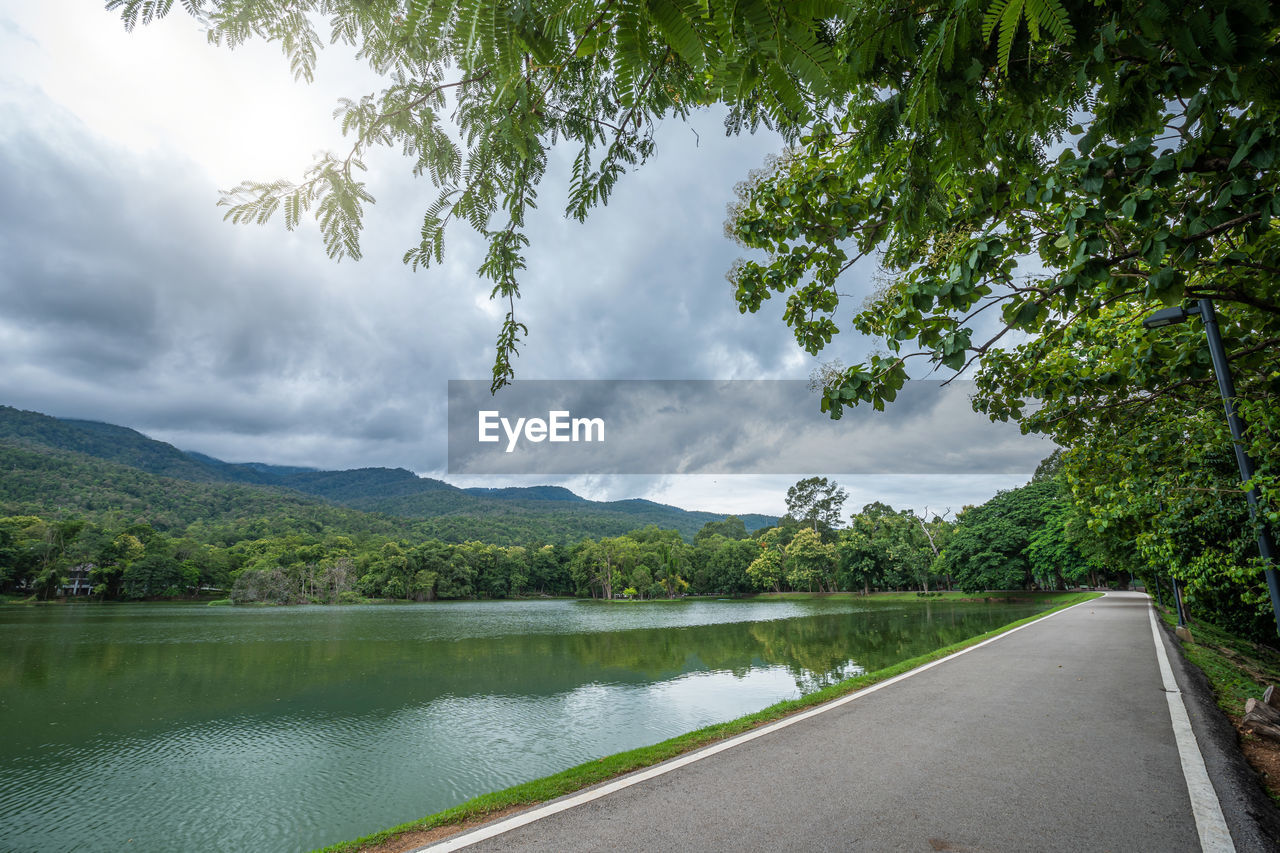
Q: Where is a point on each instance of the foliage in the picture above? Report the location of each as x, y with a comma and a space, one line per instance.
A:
135, 535
817, 502
766, 570
1026, 215
731, 527
1188, 521
810, 562
883, 548
977, 189
1025, 537
1004, 16
719, 565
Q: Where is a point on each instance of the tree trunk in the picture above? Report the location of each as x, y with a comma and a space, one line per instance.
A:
1262, 719
1260, 713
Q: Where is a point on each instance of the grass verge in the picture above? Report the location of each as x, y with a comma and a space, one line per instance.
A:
601, 770
1238, 670
1014, 595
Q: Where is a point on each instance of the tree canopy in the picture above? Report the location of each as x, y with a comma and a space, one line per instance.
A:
816, 501
1025, 217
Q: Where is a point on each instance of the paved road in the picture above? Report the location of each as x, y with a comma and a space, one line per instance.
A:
1055, 737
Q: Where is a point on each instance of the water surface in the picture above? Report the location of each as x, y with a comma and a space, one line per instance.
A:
185, 727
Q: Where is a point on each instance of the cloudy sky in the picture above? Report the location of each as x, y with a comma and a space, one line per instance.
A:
126, 298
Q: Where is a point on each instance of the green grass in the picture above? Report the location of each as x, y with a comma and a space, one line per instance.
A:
985, 595
952, 595
625, 601
1237, 669
609, 767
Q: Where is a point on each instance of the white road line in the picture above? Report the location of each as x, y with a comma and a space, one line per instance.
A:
1210, 824
483, 833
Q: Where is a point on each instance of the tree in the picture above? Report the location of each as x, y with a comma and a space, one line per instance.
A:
596, 566
979, 190
816, 502
392, 569
458, 577
989, 549
1054, 550
859, 559
515, 566
987, 553
673, 561
642, 581
112, 563
810, 562
547, 571
48, 581
339, 573
885, 548
1187, 520
910, 553
731, 527
154, 573
766, 571
728, 566
1129, 165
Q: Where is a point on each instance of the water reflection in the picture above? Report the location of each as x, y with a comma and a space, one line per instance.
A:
177, 727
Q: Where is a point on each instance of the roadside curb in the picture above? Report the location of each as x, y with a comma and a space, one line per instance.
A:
1254, 820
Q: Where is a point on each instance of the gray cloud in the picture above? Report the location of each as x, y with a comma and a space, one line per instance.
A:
128, 300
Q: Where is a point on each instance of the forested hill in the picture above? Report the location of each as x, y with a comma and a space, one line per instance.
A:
53, 466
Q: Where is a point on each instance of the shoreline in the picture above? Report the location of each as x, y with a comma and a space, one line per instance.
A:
1013, 596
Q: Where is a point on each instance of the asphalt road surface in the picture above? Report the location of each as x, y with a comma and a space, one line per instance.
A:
1058, 736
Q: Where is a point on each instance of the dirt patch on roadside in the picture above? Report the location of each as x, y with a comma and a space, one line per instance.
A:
1263, 756
414, 839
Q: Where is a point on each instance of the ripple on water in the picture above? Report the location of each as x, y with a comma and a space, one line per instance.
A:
257, 780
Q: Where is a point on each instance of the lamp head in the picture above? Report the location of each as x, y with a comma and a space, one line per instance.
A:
1165, 317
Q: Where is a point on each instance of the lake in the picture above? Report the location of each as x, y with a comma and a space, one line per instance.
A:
155, 727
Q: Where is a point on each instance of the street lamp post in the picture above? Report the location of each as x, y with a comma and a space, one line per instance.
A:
1177, 602
1226, 387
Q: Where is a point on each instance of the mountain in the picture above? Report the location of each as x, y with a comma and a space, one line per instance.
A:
103, 441
530, 493
249, 472
54, 483
95, 469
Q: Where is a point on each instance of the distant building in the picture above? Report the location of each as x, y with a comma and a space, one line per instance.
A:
78, 582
